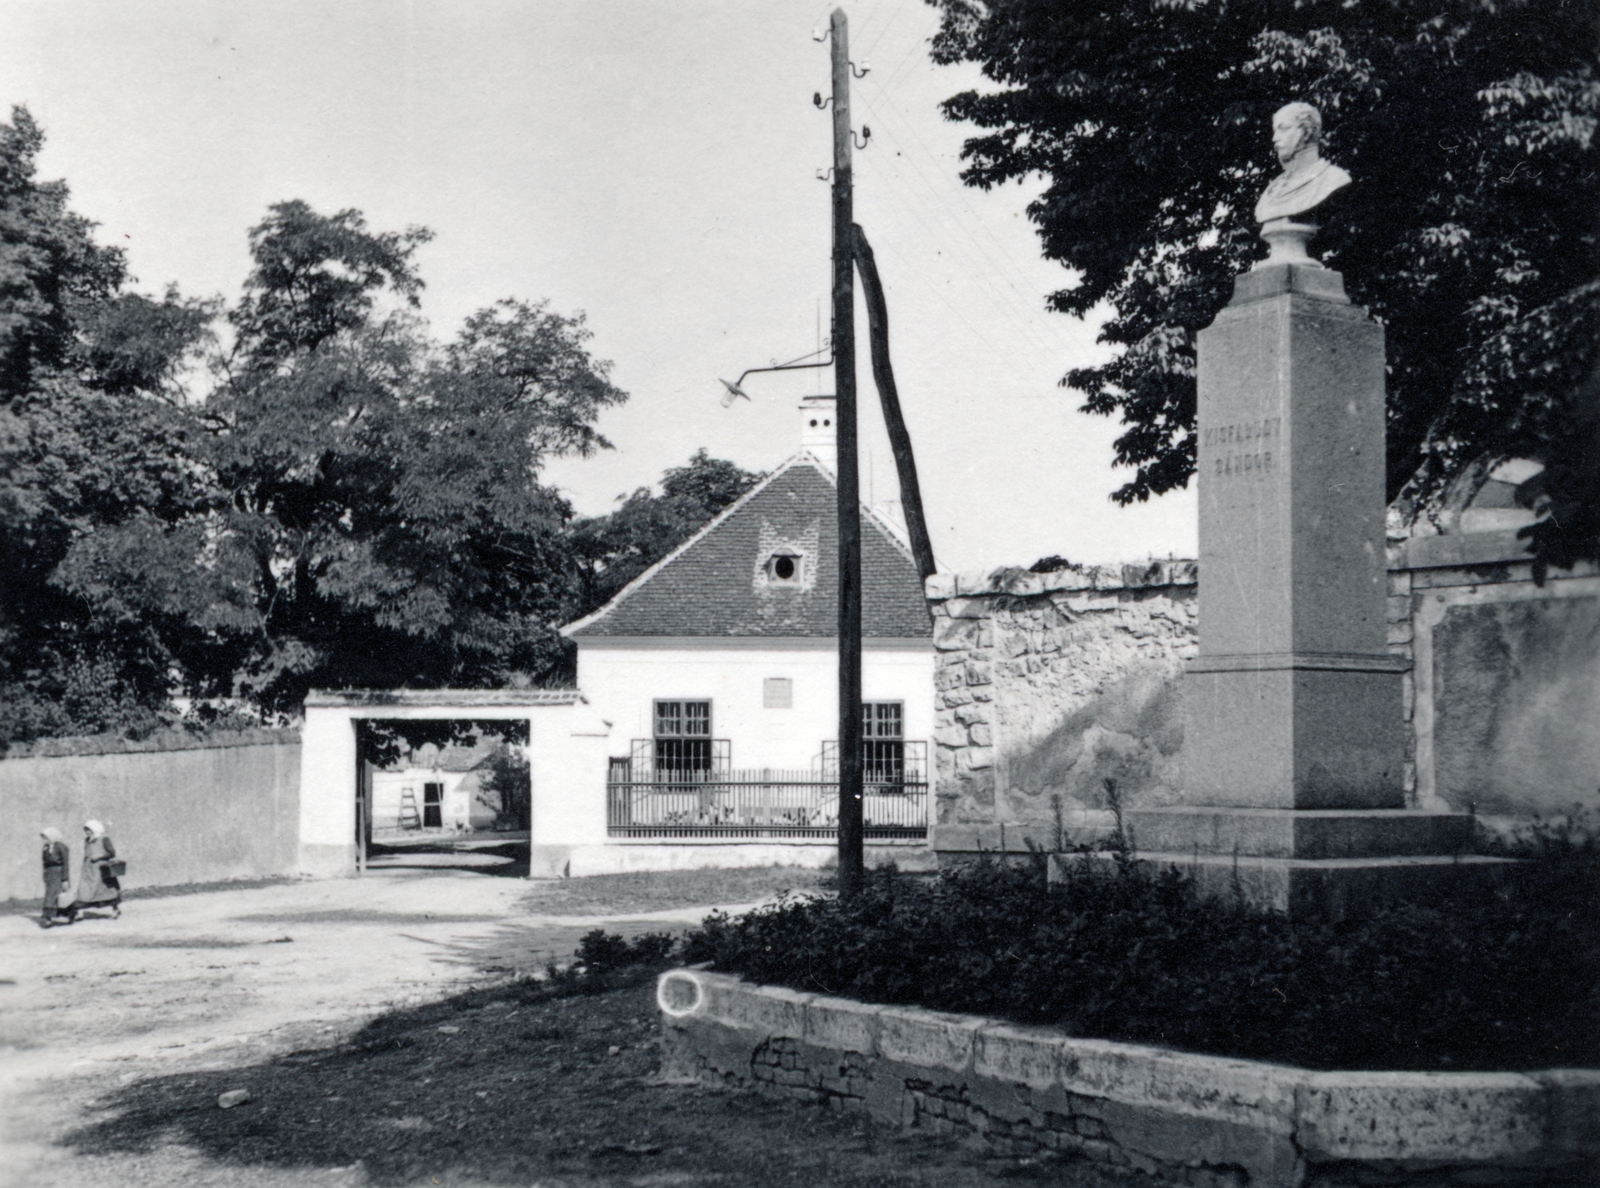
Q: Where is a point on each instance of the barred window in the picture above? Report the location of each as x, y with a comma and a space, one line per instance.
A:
683, 719
883, 750
683, 736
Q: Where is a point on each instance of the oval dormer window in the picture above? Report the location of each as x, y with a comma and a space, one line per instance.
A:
784, 567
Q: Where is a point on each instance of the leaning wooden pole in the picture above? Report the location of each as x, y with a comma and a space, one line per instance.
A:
883, 372
852, 856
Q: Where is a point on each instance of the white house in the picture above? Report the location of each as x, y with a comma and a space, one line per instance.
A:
717, 669
437, 789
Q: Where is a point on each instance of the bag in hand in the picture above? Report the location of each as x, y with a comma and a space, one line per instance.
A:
116, 868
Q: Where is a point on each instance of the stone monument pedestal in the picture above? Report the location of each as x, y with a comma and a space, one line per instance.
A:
1294, 742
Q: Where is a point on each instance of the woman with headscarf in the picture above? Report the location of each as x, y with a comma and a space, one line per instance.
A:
98, 886
56, 882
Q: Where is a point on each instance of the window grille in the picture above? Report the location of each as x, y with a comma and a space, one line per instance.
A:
683, 737
883, 749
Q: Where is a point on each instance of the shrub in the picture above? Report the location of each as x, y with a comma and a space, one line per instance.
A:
606, 960
1508, 978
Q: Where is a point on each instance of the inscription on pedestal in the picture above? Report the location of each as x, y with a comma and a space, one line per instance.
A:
1257, 437
1241, 431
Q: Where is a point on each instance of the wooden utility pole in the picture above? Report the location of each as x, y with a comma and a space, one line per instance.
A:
852, 858
899, 439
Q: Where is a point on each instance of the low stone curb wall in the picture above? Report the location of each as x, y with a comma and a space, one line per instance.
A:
1179, 1117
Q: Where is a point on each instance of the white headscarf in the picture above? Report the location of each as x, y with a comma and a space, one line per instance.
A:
50, 833
95, 828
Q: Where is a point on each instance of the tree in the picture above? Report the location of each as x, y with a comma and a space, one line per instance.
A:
51, 270
90, 440
1470, 231
610, 551
507, 784
351, 504
382, 491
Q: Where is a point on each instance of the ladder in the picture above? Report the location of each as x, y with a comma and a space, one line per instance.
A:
410, 818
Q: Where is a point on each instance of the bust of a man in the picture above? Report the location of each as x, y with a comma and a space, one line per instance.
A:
1307, 181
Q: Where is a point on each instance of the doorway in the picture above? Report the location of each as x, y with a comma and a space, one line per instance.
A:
476, 795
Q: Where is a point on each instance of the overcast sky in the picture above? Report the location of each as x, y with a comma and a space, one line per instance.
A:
652, 164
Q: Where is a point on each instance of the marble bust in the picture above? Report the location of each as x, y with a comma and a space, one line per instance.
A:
1307, 181
1286, 207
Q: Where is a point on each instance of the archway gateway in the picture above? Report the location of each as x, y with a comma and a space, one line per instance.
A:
347, 733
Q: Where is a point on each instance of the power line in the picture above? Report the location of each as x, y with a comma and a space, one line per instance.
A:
989, 274
1010, 268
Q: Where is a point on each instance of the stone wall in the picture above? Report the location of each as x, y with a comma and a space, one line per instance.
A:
1504, 695
180, 809
1177, 1117
1056, 692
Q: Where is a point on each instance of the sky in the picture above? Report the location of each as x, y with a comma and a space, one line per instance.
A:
651, 163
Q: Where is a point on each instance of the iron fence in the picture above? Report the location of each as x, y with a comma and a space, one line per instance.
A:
643, 800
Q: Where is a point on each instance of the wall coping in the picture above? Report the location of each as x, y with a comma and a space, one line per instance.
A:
176, 739
1022, 583
1441, 1118
1456, 550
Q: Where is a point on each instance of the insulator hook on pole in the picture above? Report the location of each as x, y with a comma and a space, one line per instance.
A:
866, 135
819, 102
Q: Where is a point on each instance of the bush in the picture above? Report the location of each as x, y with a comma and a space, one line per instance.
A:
606, 961
1487, 980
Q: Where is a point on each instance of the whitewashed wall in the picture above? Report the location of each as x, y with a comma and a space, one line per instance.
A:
567, 746
623, 681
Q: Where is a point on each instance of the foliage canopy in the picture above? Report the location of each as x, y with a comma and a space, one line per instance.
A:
305, 489
1470, 232
309, 490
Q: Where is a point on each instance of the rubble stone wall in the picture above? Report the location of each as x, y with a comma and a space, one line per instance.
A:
1057, 694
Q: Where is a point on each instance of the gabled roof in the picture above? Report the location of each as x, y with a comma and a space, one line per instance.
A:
453, 757
714, 584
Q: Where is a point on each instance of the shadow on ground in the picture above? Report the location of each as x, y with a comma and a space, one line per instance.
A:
518, 1085
507, 859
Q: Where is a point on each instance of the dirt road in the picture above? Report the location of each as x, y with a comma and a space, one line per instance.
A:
225, 978
386, 1041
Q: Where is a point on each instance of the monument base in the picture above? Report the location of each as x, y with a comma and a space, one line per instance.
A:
1312, 860
1294, 732
1332, 887
1307, 834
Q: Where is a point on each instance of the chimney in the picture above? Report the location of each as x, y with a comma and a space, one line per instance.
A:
818, 433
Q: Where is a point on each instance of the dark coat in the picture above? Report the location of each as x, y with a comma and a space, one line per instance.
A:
55, 875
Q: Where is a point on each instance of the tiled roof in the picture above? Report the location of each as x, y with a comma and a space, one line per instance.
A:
716, 583
454, 757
